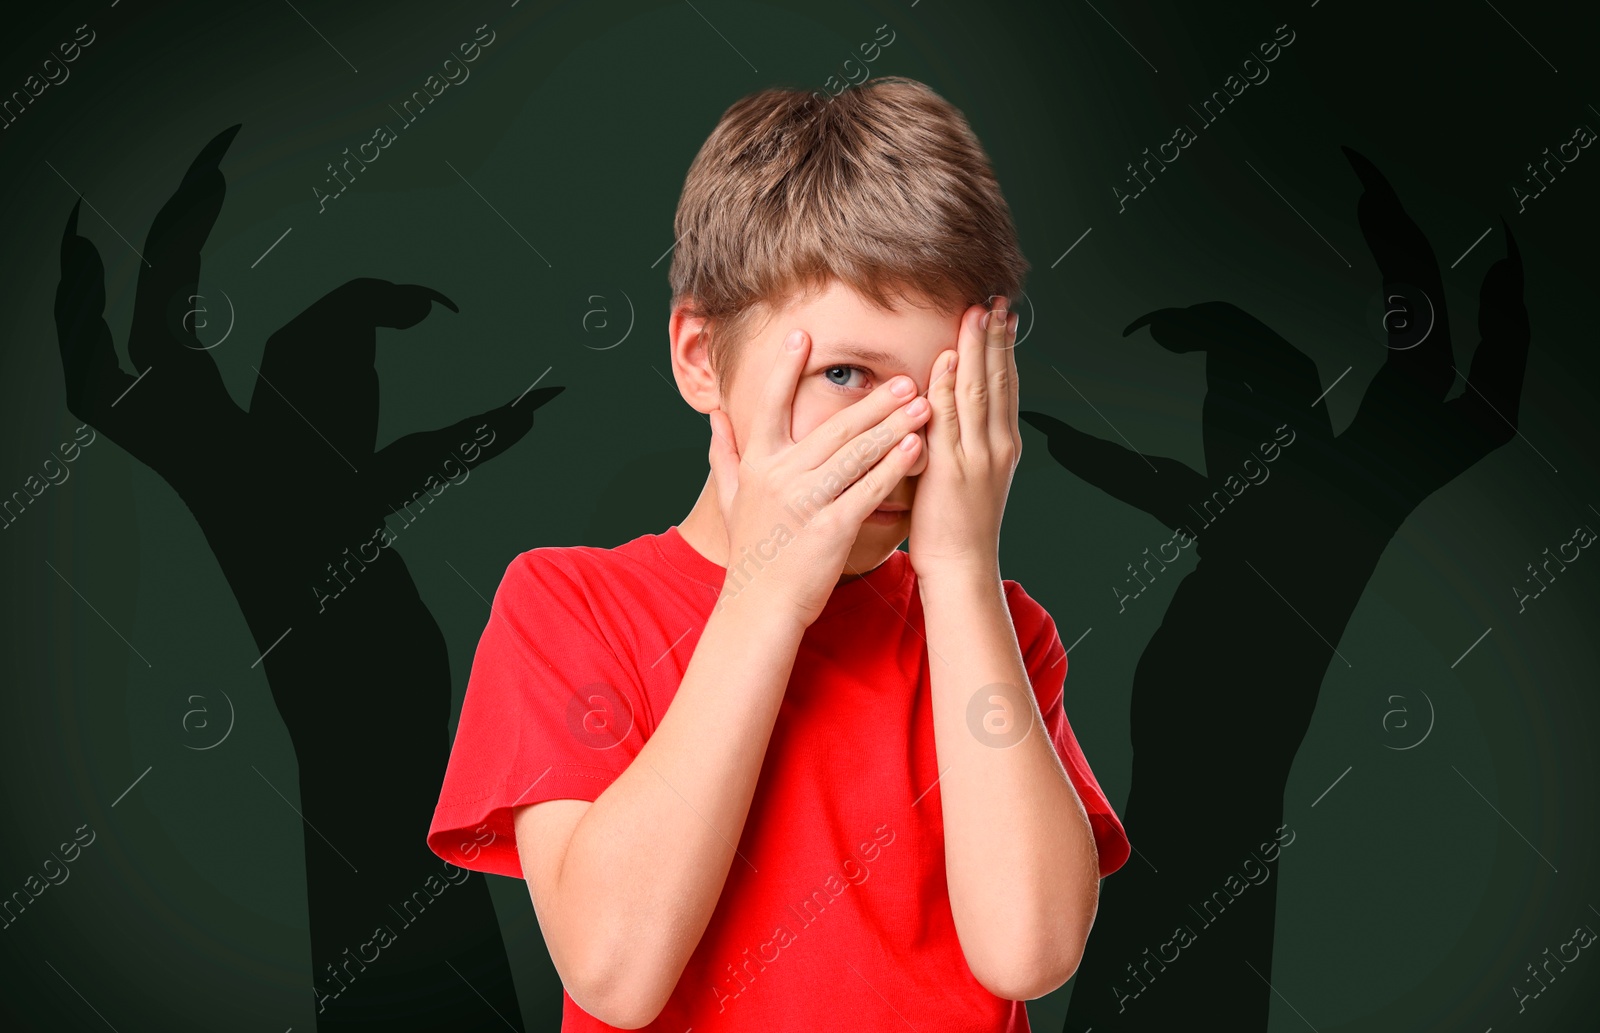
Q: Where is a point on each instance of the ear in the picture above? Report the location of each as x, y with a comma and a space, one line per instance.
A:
691, 366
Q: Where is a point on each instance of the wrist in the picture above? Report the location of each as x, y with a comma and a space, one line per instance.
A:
759, 613
967, 577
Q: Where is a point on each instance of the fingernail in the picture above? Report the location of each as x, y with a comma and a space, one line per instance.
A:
983, 321
793, 341
901, 386
917, 408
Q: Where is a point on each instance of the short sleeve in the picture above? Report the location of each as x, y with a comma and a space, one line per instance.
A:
1046, 661
550, 713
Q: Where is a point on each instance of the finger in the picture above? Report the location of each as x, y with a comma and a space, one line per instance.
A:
878, 480
972, 377
724, 459
1501, 359
95, 380
320, 367
828, 438
403, 466
1016, 381
1000, 372
170, 274
772, 428
1409, 268
826, 483
944, 430
1254, 378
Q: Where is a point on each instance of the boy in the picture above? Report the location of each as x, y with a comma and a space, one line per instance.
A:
765, 770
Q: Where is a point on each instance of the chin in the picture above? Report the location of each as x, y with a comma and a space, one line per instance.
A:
873, 546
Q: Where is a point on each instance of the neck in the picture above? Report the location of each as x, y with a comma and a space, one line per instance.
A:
703, 527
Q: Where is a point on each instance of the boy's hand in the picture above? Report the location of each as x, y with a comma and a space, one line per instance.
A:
973, 448
793, 510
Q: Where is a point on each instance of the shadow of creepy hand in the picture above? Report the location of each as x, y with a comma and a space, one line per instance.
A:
285, 494
1405, 442
282, 491
1291, 521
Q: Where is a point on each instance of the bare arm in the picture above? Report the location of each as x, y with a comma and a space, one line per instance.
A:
624, 904
1020, 856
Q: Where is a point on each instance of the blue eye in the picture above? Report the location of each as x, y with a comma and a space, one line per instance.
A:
847, 369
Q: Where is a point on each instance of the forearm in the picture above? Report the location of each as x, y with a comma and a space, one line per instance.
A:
1020, 856
647, 862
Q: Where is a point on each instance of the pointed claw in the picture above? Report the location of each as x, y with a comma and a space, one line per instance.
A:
441, 299
1512, 253
1172, 328
1406, 260
405, 305
1122, 473
402, 468
210, 155
1371, 178
1148, 319
168, 285
538, 398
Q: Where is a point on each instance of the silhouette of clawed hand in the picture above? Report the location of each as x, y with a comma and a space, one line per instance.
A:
286, 494
1405, 441
316, 397
1235, 667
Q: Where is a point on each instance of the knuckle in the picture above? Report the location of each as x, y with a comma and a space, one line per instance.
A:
878, 441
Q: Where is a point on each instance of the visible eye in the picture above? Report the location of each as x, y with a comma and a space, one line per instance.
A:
845, 372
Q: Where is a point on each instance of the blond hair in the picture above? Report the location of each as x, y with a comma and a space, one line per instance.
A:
884, 188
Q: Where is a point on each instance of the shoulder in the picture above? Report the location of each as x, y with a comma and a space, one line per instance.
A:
577, 569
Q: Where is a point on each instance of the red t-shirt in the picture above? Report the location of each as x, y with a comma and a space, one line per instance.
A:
841, 917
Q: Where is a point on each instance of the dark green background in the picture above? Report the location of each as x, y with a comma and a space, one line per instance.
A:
1405, 902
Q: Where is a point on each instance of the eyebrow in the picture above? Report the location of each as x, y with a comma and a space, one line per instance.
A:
860, 352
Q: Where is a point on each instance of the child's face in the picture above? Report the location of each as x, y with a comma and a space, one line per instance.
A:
855, 347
